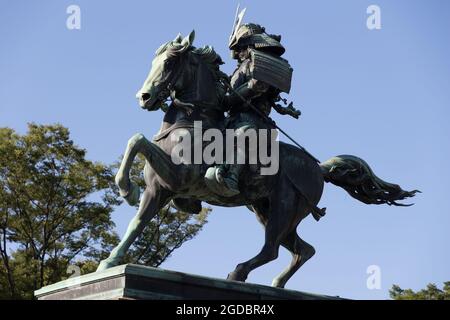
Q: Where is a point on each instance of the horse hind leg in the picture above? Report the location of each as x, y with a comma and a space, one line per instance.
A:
301, 252
276, 229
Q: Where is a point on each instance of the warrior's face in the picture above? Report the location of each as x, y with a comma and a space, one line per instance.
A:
242, 54
163, 73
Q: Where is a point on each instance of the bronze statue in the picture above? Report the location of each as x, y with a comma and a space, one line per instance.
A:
199, 91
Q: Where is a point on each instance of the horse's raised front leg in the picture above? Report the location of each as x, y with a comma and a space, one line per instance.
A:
159, 161
127, 189
153, 199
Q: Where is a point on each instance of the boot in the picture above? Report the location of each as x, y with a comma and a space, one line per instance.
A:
223, 180
229, 178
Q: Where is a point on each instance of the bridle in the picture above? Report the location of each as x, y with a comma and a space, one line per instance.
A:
169, 88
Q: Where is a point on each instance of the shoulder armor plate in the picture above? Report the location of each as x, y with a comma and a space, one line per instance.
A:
274, 71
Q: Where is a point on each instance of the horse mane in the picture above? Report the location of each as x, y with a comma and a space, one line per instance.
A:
162, 48
212, 60
208, 54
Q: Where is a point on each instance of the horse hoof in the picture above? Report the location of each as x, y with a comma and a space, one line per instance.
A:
132, 198
236, 276
277, 283
106, 264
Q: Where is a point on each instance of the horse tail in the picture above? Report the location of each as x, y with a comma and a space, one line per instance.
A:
356, 177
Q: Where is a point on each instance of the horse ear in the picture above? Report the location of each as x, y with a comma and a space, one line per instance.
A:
189, 39
176, 48
177, 38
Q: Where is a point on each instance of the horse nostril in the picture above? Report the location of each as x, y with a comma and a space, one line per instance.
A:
145, 96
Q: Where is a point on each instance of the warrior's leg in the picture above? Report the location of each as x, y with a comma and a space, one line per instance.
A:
246, 149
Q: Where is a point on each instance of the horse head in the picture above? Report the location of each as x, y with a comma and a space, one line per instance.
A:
165, 71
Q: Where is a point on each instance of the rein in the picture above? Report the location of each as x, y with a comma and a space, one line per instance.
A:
187, 107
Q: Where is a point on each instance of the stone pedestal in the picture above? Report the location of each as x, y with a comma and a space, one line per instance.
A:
131, 281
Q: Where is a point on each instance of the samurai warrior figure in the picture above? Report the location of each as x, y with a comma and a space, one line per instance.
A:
254, 88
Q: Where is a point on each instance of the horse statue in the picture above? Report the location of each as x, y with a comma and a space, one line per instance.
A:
280, 201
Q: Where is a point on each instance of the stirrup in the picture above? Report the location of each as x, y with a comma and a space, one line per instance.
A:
219, 185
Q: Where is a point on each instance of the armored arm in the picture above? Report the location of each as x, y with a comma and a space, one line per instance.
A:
260, 73
249, 90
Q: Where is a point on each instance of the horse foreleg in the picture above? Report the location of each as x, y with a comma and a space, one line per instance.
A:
301, 252
128, 190
153, 199
159, 161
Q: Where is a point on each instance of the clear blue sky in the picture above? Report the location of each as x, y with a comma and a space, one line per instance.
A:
383, 95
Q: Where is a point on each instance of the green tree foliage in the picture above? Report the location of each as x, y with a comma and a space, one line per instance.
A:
55, 212
166, 232
431, 292
55, 208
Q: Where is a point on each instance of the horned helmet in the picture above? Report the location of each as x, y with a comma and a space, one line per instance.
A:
252, 34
